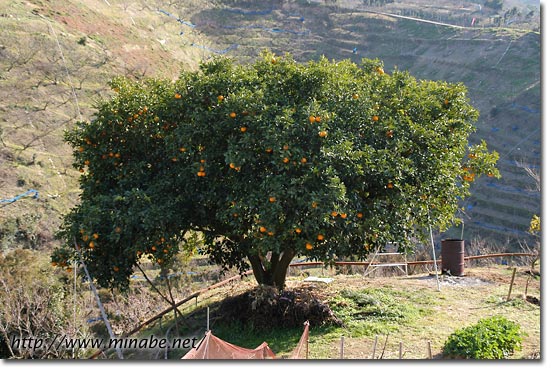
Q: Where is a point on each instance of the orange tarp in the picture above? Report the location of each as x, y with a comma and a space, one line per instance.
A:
214, 348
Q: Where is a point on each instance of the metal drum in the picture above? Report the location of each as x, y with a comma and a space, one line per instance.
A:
453, 257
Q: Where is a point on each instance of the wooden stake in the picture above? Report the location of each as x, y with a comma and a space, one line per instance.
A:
342, 347
430, 350
511, 283
400, 350
384, 346
374, 347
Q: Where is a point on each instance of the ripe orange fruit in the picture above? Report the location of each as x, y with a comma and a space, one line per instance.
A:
285, 147
235, 215
272, 199
323, 134
320, 237
446, 101
116, 268
286, 160
262, 229
232, 114
201, 174
314, 204
182, 149
174, 159
318, 119
360, 215
334, 213
87, 162
69, 270
154, 248
375, 118
95, 236
220, 98
118, 230
490, 175
54, 263
238, 168
243, 129
177, 95
232, 166
202, 161
81, 149
312, 119
298, 230
159, 261
270, 233
355, 96
85, 237
308, 246
390, 185
303, 160
343, 215
268, 150
91, 245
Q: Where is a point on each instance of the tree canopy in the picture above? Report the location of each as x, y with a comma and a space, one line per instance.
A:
269, 160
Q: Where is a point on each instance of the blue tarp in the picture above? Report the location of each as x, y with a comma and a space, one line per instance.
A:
14, 199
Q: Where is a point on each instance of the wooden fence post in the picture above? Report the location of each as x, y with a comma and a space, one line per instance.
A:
374, 347
511, 283
430, 350
342, 347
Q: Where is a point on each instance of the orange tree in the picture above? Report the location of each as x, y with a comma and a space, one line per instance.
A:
269, 160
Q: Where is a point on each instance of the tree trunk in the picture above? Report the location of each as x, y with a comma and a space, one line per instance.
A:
272, 272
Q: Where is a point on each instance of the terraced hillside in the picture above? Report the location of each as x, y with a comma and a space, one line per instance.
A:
55, 57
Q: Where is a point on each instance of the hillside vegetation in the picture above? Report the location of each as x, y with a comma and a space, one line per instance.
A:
56, 58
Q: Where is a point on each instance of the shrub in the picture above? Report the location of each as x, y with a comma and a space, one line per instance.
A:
491, 338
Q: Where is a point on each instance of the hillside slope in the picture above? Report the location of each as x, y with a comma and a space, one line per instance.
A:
56, 57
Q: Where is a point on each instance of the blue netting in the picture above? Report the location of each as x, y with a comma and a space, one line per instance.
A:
268, 29
511, 189
524, 108
186, 23
217, 51
501, 228
250, 12
35, 194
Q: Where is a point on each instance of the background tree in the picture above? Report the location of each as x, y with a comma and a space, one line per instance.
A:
269, 160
